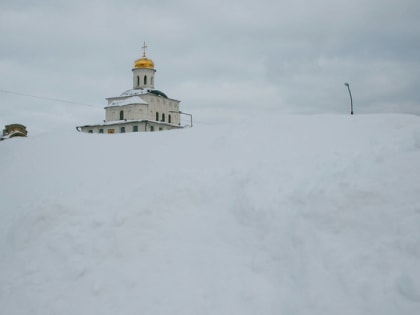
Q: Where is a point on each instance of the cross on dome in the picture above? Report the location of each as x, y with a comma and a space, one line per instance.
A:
144, 49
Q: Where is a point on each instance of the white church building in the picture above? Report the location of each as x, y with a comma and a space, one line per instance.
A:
141, 109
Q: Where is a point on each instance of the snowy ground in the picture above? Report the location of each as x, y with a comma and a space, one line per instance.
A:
281, 215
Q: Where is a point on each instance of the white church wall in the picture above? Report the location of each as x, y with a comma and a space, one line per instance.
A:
161, 105
139, 75
126, 127
130, 112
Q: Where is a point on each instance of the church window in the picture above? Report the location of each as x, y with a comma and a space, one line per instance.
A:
160, 129
101, 131
122, 129
157, 116
152, 128
163, 117
90, 131
169, 118
121, 115
135, 128
138, 80
152, 80
145, 79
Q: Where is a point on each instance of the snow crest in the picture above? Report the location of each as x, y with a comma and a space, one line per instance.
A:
300, 215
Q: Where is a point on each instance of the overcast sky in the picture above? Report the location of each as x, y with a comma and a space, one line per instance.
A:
287, 55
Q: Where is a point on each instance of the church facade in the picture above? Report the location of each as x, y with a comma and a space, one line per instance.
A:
140, 109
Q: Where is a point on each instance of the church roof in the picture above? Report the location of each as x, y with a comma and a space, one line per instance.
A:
143, 91
127, 101
158, 93
135, 92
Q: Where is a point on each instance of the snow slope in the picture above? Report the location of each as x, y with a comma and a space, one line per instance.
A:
281, 215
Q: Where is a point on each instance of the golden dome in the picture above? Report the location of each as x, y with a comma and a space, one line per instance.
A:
144, 63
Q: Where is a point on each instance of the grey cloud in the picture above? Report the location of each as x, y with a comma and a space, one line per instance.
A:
288, 54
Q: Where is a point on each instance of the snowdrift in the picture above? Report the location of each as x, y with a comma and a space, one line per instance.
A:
281, 215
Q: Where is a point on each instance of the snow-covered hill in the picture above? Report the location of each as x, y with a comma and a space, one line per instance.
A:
277, 215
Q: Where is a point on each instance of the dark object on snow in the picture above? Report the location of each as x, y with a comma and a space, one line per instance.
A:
14, 130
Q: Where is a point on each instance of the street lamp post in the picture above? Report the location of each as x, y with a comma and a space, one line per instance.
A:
179, 112
351, 99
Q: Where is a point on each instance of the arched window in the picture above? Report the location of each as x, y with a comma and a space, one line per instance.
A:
138, 80
122, 129
145, 80
169, 118
163, 117
157, 116
121, 115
